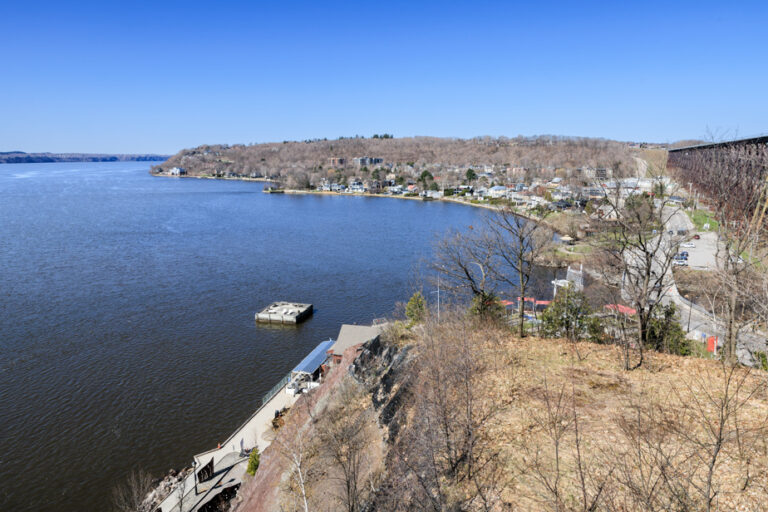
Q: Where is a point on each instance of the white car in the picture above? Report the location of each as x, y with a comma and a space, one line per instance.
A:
680, 263
688, 245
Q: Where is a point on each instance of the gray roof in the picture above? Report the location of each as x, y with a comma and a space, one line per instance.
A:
314, 359
351, 335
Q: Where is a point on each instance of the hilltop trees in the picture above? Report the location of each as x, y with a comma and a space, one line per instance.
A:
414, 154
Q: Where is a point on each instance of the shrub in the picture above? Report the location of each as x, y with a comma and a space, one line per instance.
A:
253, 461
416, 308
570, 316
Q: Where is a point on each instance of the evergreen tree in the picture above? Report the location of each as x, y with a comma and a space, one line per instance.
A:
570, 316
416, 308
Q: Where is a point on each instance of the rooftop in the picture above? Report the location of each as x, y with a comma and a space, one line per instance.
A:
314, 359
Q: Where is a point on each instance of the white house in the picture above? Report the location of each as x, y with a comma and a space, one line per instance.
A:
497, 192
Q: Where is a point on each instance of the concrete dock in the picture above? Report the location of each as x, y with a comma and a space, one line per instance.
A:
284, 313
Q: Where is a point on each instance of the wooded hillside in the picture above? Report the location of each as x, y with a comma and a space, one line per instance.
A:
310, 160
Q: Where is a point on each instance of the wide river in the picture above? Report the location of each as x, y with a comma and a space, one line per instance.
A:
127, 337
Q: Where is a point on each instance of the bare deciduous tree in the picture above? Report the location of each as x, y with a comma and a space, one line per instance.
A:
130, 494
516, 245
635, 254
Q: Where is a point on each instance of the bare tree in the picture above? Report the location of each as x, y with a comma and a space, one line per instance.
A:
130, 494
446, 459
464, 262
516, 245
345, 437
636, 253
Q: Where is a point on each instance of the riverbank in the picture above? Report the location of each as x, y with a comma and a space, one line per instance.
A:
262, 180
487, 206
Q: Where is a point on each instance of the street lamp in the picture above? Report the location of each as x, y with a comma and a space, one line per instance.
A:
438, 298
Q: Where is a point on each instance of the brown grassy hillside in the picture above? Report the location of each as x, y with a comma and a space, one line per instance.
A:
473, 418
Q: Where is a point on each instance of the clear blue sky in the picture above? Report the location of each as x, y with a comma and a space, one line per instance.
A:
143, 77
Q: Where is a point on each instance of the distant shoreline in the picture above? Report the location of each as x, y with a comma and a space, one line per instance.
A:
20, 157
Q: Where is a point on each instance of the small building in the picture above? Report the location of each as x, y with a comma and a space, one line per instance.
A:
367, 160
337, 162
177, 171
372, 186
351, 335
497, 191
306, 375
357, 187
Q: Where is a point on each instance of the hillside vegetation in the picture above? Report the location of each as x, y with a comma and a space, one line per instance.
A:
460, 416
309, 161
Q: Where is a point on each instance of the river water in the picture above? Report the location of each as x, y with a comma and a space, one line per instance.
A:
127, 337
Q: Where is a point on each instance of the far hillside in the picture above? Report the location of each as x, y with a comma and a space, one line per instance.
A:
300, 164
20, 157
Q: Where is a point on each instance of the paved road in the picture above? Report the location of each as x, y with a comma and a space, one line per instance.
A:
695, 318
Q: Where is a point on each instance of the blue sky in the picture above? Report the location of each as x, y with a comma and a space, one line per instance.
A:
158, 77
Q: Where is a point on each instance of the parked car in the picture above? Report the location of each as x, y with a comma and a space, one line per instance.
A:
689, 245
696, 237
680, 263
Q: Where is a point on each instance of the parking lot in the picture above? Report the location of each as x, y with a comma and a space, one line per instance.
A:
702, 257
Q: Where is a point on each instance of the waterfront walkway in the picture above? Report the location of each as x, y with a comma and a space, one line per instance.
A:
229, 461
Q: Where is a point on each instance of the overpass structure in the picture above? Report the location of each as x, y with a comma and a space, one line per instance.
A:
759, 141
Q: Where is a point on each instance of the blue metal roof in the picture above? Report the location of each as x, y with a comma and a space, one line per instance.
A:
315, 358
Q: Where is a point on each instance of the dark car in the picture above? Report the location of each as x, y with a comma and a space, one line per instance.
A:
696, 237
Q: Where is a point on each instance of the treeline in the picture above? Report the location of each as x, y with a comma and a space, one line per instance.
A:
19, 157
309, 161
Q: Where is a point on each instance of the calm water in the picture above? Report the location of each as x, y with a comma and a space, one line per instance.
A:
126, 312
127, 337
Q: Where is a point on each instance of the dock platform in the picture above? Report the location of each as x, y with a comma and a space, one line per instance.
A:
284, 313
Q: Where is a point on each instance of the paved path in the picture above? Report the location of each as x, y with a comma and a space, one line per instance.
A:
229, 464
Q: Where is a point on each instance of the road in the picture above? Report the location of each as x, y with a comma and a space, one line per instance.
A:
695, 319
699, 323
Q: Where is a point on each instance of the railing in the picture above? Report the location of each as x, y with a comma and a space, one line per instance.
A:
275, 389
270, 394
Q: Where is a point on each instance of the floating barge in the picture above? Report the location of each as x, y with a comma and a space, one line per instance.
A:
284, 313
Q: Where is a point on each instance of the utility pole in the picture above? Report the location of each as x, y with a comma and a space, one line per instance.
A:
690, 310
438, 298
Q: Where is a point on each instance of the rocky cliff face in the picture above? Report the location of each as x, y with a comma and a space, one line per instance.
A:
382, 369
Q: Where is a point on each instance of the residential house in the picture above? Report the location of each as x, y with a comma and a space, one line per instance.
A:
497, 192
366, 160
357, 187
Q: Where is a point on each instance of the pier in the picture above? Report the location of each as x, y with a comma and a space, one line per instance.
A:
284, 313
